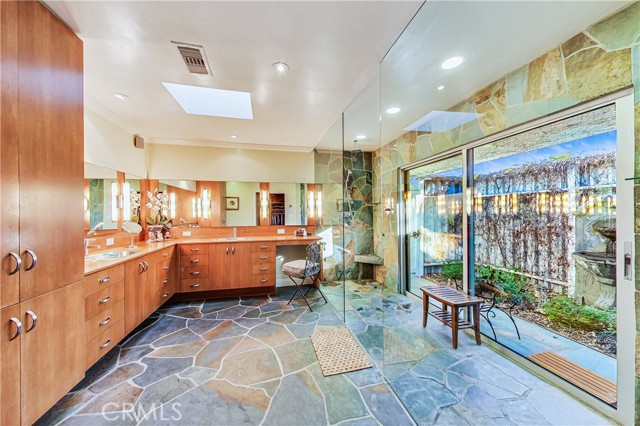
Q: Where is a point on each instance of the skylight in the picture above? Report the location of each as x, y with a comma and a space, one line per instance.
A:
212, 102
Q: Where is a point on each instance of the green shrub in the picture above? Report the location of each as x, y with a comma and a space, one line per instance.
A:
452, 270
564, 310
511, 286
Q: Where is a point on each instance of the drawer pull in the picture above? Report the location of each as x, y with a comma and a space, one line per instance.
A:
165, 267
195, 285
264, 247
264, 269
165, 295
195, 273
165, 254
195, 249
105, 300
34, 259
233, 250
264, 257
227, 250
18, 260
104, 280
34, 320
18, 324
105, 322
105, 344
264, 281
195, 260
165, 281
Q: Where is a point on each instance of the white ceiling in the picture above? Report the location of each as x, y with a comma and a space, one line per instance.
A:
332, 48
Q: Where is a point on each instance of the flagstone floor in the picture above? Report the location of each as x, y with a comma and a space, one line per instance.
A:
230, 362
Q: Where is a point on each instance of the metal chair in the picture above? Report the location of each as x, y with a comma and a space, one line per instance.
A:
304, 269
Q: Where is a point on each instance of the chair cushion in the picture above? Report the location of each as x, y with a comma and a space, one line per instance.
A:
296, 268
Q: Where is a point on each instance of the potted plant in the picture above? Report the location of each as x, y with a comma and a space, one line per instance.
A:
157, 219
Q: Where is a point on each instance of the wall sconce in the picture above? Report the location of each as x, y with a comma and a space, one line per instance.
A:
172, 204
206, 204
264, 204
194, 210
86, 205
389, 206
126, 198
115, 202
311, 204
319, 204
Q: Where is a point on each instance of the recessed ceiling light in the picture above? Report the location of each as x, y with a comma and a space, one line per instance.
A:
212, 102
121, 96
361, 137
234, 136
393, 110
440, 87
281, 67
452, 62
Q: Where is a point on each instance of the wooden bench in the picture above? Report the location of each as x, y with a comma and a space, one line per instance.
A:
455, 300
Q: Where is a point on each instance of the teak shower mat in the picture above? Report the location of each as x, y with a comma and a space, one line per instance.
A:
338, 352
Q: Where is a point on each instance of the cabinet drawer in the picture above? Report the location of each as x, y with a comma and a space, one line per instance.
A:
199, 284
257, 258
98, 302
268, 246
104, 343
194, 260
194, 249
104, 320
190, 272
165, 254
164, 269
264, 280
166, 294
102, 279
263, 268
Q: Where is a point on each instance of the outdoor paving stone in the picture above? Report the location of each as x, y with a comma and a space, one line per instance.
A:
233, 312
249, 322
298, 401
225, 330
98, 370
179, 351
308, 318
384, 406
341, 398
558, 408
296, 355
269, 387
159, 368
366, 377
521, 412
163, 391
274, 306
477, 368
163, 326
422, 397
198, 375
288, 317
433, 366
113, 399
366, 421
249, 344
250, 367
110, 419
117, 376
65, 407
514, 371
478, 407
186, 312
271, 334
178, 338
210, 306
449, 417
252, 313
201, 326
372, 340
133, 354
253, 301
329, 318
212, 354
302, 331
456, 383
356, 326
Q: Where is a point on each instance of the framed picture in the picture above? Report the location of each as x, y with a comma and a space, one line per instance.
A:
233, 203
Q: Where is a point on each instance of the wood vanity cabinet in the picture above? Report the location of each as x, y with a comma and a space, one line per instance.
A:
229, 266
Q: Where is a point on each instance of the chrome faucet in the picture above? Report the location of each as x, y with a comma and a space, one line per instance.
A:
95, 228
87, 246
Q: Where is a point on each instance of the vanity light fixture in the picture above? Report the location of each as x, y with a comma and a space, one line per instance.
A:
234, 136
393, 110
172, 204
121, 96
126, 201
194, 211
319, 204
264, 204
361, 137
452, 63
311, 204
86, 204
281, 67
440, 87
114, 201
390, 206
206, 204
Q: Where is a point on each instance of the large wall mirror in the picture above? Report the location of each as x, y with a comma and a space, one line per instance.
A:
99, 184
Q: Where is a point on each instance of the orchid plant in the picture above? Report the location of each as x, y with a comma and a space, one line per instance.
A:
158, 206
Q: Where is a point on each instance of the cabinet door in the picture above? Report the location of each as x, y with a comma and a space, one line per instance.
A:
9, 192
10, 362
219, 258
51, 151
52, 349
137, 283
239, 268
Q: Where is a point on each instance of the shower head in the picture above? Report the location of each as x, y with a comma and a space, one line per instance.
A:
355, 149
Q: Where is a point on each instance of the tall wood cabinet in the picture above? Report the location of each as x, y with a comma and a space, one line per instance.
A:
41, 232
229, 266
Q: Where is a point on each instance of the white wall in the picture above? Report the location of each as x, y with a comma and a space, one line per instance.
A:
246, 191
223, 164
108, 145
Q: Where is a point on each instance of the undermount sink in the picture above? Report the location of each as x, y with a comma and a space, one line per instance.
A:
110, 255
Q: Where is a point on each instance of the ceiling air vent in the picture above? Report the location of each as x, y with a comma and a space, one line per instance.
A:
194, 58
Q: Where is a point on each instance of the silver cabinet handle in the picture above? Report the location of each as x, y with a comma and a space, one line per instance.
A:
165, 254
18, 263
233, 250
195, 249
264, 247
34, 259
141, 269
105, 322
264, 281
264, 257
195, 260
165, 295
165, 281
105, 300
104, 280
195, 272
264, 269
146, 265
105, 344
18, 325
227, 250
165, 267
34, 320
195, 285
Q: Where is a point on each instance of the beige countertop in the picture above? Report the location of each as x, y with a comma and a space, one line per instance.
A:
144, 248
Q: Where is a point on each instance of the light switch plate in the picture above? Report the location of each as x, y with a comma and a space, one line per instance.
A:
281, 231
110, 241
186, 233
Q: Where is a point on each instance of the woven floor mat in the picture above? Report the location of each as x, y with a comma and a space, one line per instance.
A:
338, 352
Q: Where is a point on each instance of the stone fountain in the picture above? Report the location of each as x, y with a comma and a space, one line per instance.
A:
602, 265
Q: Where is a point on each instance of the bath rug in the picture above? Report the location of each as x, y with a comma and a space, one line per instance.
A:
339, 352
